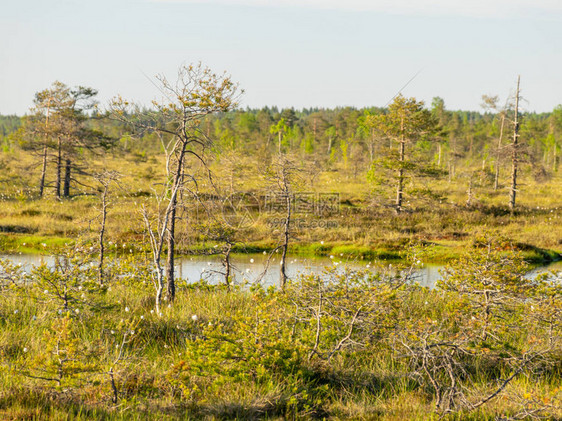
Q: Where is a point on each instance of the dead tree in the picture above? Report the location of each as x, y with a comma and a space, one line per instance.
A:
284, 177
196, 93
514, 152
105, 179
491, 103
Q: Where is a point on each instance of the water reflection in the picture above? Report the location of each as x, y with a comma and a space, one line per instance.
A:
252, 268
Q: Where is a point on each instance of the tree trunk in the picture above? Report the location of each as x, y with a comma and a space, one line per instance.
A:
400, 187
43, 172
102, 233
59, 168
115, 396
67, 170
171, 229
159, 289
44, 165
170, 276
226, 262
498, 150
285, 247
514, 153
372, 146
469, 193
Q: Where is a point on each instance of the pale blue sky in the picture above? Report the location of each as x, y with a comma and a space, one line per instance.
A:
300, 53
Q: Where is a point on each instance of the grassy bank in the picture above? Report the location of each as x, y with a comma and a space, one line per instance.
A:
431, 252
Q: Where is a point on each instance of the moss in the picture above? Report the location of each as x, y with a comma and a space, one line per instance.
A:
538, 255
442, 251
31, 243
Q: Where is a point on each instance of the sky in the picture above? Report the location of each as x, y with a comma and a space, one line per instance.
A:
288, 53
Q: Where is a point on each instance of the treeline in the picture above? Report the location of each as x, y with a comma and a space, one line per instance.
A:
328, 133
347, 135
64, 128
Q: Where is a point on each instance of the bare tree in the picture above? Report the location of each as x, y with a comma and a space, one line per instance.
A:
491, 102
284, 177
196, 93
105, 178
514, 151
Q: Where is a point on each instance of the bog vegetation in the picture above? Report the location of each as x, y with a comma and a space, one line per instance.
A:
484, 344
115, 193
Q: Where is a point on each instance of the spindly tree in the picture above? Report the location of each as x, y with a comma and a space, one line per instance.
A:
556, 128
515, 153
491, 103
279, 129
177, 119
284, 176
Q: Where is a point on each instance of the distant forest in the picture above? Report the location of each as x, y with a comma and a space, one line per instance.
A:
347, 135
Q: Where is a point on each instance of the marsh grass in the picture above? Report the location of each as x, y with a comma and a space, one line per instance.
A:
220, 353
364, 227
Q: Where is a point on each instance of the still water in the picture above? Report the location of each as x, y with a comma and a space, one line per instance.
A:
254, 267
